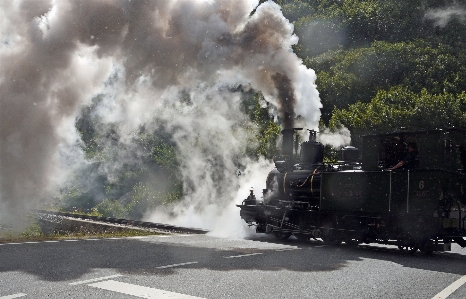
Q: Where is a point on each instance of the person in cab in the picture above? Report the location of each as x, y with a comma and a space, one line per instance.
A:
411, 160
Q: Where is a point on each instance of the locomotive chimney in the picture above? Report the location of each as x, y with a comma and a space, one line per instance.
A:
287, 144
312, 135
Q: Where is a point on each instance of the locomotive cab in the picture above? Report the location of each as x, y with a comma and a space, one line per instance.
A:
438, 149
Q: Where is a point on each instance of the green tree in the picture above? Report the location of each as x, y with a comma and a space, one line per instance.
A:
399, 107
349, 76
111, 208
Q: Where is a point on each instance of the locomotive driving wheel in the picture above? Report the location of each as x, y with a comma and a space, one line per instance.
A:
407, 248
282, 235
329, 237
331, 240
427, 246
351, 241
302, 237
407, 245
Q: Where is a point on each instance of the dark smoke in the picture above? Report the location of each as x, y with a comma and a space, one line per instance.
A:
286, 99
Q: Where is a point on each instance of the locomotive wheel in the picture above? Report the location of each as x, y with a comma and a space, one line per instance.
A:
302, 237
407, 246
427, 246
329, 236
331, 240
282, 235
351, 242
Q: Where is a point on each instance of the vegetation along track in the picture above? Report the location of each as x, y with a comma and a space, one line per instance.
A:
58, 217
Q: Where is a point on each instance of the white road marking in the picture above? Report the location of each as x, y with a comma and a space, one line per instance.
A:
51, 241
13, 296
71, 240
14, 243
450, 289
176, 265
243, 255
139, 291
31, 242
94, 279
92, 239
287, 249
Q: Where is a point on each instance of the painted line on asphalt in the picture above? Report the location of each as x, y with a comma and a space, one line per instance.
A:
287, 249
176, 265
94, 279
139, 291
450, 289
13, 296
243, 255
73, 240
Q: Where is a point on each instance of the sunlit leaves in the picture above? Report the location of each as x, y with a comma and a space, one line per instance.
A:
398, 107
165, 156
346, 77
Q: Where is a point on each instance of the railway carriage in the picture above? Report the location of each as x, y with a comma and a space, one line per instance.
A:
358, 201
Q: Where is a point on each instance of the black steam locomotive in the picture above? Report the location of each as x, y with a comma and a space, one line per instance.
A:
358, 201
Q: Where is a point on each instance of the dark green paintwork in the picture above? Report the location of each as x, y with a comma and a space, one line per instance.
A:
382, 192
437, 180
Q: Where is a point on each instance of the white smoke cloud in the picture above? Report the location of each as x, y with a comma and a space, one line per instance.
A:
336, 139
221, 217
57, 56
442, 16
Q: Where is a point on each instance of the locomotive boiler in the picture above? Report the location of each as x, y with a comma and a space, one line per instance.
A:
357, 200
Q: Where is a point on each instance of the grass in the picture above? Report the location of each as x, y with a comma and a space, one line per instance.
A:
35, 233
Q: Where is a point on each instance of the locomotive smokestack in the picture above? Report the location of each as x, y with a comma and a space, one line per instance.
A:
312, 135
287, 145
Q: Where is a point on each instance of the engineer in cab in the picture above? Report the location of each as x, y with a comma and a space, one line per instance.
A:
411, 161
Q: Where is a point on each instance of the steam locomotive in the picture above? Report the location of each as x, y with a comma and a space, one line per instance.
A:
356, 200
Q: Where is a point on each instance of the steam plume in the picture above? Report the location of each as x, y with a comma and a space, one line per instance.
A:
57, 56
442, 16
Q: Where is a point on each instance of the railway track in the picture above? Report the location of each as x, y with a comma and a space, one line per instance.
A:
59, 217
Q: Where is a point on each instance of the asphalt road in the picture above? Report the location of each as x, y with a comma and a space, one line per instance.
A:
199, 266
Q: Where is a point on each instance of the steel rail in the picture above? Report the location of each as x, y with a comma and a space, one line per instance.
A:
57, 217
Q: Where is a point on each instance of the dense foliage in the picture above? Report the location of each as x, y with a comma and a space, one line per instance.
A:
361, 50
